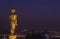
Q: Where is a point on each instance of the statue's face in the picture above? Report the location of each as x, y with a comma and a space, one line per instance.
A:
13, 10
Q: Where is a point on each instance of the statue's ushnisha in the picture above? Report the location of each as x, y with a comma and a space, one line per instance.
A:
13, 23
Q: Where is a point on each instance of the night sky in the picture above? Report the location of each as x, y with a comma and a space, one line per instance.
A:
32, 14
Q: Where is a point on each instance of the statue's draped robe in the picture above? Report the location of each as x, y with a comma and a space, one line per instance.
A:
13, 24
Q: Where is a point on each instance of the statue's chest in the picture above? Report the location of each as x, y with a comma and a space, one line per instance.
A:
13, 17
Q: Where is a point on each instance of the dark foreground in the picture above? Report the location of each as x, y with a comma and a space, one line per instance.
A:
33, 36
40, 35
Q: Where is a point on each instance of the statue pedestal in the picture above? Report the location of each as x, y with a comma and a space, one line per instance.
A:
12, 36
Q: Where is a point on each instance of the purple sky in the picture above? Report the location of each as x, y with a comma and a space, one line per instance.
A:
32, 14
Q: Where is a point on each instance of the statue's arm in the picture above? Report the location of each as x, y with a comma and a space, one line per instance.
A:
16, 20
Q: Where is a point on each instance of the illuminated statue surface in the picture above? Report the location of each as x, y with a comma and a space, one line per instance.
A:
13, 21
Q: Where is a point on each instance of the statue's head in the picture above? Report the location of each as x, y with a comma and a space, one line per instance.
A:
13, 10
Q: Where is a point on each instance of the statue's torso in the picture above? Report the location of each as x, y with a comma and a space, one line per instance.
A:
13, 19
